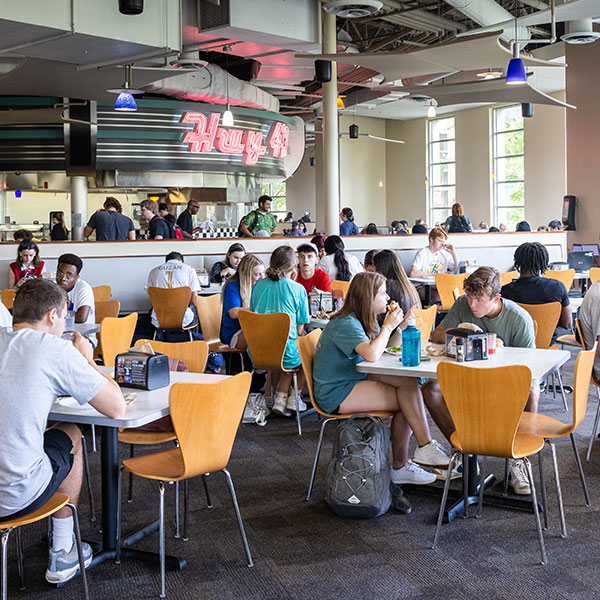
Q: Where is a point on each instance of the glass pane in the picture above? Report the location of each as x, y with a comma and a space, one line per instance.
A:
510, 194
442, 152
277, 189
279, 204
439, 216
511, 216
441, 129
508, 144
443, 197
443, 174
508, 117
509, 169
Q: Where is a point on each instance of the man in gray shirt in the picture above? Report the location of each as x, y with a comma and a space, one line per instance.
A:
109, 223
37, 366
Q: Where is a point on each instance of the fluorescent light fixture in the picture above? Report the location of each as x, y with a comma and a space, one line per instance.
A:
125, 102
227, 118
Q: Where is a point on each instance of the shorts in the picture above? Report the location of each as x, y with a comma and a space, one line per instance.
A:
58, 447
234, 338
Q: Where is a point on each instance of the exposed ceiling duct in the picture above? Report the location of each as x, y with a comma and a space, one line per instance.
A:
580, 32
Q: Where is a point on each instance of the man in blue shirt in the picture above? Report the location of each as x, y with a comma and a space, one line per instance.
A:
109, 223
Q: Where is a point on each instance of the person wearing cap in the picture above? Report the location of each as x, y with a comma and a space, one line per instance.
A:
309, 276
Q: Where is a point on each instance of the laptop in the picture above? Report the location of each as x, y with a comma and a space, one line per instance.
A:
581, 261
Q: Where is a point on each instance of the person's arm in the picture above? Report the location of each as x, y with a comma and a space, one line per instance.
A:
300, 329
246, 230
185, 234
566, 318
87, 231
82, 314
419, 264
372, 350
193, 297
439, 335
131, 235
450, 248
12, 280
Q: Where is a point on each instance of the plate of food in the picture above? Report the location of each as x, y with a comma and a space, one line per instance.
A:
395, 350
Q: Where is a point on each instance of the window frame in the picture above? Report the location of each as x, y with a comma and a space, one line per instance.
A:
432, 210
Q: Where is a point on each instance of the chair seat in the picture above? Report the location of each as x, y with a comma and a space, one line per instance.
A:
543, 425
55, 503
568, 339
219, 347
163, 466
525, 444
129, 436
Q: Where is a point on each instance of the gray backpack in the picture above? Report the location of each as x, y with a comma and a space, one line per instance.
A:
358, 476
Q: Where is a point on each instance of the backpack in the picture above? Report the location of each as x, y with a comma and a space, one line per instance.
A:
358, 476
458, 225
175, 232
250, 227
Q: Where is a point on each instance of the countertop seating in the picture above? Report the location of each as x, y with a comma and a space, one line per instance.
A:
445, 284
170, 305
486, 406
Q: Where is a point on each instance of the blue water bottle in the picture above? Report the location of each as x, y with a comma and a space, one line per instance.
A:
411, 344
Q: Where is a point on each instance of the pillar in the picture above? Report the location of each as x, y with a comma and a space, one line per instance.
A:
79, 205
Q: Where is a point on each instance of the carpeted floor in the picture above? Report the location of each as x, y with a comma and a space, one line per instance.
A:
301, 550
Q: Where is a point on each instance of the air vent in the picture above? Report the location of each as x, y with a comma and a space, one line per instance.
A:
418, 98
356, 9
188, 60
583, 37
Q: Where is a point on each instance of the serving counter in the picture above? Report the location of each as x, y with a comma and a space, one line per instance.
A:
125, 265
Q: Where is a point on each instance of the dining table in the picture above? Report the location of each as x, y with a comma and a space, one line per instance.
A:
147, 407
540, 362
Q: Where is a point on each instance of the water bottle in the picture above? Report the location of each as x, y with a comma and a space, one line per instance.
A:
411, 344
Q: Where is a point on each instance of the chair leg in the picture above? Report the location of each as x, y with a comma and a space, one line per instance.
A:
595, 427
161, 536
295, 378
536, 511
562, 390
88, 479
119, 513
481, 486
543, 486
177, 510
209, 503
20, 566
317, 454
185, 510
553, 386
94, 449
130, 487
239, 517
559, 498
505, 486
445, 498
581, 475
465, 459
5, 535
83, 574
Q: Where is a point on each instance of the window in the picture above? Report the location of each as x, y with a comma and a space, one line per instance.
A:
277, 191
508, 175
441, 170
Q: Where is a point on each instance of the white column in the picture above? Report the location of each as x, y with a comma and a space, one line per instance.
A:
331, 182
79, 206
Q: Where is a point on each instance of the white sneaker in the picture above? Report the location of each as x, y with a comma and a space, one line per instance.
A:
431, 455
411, 473
279, 405
291, 403
517, 477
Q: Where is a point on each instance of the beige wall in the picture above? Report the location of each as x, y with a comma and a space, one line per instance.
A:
301, 187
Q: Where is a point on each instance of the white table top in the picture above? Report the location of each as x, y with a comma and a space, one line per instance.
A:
318, 323
575, 303
147, 407
84, 328
582, 275
211, 290
424, 280
541, 363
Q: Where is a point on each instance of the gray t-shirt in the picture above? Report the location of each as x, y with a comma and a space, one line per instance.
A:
35, 368
110, 225
514, 325
589, 319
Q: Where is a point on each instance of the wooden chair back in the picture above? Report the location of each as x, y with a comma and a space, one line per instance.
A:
205, 418
342, 286
193, 354
116, 336
506, 278
546, 316
170, 305
266, 336
8, 298
102, 293
456, 294
445, 284
427, 316
209, 310
109, 308
580, 332
595, 274
565, 277
584, 365
485, 405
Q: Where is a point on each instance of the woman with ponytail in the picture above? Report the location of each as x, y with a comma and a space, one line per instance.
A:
347, 226
278, 293
337, 264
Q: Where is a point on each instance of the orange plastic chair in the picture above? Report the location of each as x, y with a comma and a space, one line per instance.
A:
342, 286
53, 505
206, 418
108, 308
8, 298
116, 335
307, 348
551, 429
170, 305
506, 278
102, 293
570, 339
427, 316
193, 354
445, 284
594, 274
486, 406
565, 277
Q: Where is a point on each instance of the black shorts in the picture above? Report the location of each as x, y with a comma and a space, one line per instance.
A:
58, 447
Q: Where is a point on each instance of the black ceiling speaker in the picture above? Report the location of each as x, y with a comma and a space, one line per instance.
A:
526, 110
353, 131
323, 71
131, 7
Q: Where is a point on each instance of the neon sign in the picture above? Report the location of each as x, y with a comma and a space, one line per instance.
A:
207, 135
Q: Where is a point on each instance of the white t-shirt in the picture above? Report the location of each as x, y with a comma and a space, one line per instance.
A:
433, 262
174, 274
589, 317
327, 263
5, 316
83, 295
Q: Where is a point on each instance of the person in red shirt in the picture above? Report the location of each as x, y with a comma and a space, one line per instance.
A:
308, 274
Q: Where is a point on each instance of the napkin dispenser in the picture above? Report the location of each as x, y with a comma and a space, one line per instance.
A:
475, 344
142, 371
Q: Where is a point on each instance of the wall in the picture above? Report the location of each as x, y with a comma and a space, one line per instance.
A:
301, 188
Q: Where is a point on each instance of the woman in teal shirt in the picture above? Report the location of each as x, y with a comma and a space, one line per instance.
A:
279, 293
353, 336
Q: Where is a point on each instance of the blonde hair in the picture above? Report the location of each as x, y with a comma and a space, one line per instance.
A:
243, 276
359, 301
150, 205
283, 261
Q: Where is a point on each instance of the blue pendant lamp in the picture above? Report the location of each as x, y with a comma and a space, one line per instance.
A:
125, 101
515, 73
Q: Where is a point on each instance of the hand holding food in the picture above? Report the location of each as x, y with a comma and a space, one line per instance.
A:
393, 317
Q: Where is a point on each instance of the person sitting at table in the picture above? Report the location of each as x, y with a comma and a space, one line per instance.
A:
521, 226
353, 336
368, 260
319, 241
483, 305
370, 229
397, 285
347, 226
59, 231
37, 462
27, 266
174, 273
236, 297
5, 316
224, 269
531, 260
308, 275
297, 230
277, 292
337, 264
437, 257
